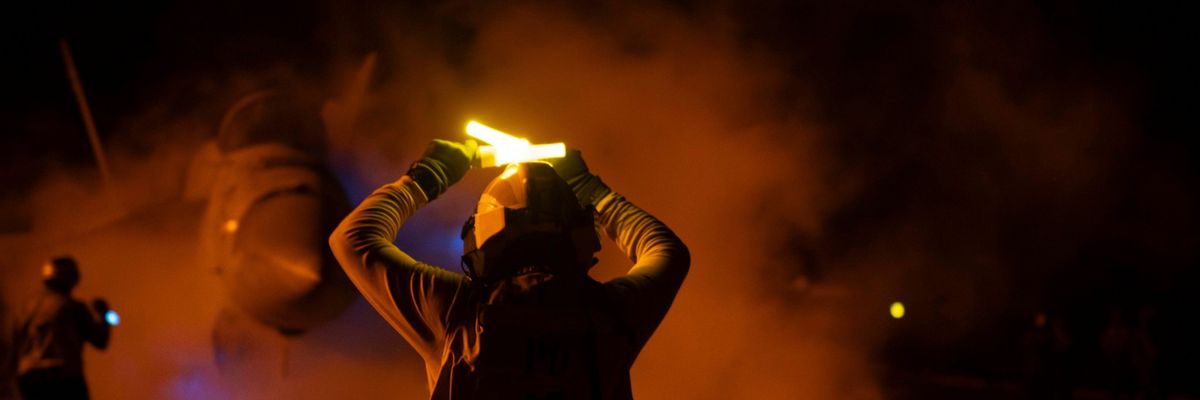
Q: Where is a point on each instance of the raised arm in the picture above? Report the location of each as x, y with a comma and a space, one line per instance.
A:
660, 259
413, 297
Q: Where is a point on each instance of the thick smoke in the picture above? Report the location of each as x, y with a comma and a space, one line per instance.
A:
819, 161
671, 111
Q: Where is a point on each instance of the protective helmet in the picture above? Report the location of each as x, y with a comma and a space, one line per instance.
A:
61, 273
528, 220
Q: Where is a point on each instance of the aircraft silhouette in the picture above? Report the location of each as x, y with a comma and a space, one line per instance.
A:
271, 202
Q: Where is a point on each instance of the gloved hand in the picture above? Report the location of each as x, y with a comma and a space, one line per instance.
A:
588, 188
443, 164
100, 306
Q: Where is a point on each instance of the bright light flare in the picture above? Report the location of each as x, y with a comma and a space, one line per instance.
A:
112, 318
492, 136
230, 226
508, 149
500, 155
897, 310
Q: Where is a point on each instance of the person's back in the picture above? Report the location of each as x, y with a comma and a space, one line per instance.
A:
57, 328
541, 336
525, 321
51, 330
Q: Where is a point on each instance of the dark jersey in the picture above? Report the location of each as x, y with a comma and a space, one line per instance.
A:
51, 331
579, 344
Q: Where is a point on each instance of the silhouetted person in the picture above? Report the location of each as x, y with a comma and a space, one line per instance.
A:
1143, 355
1046, 346
1118, 345
50, 333
525, 321
8, 362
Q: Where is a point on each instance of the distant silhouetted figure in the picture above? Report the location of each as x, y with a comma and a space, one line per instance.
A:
525, 321
50, 333
1118, 345
1143, 354
1046, 345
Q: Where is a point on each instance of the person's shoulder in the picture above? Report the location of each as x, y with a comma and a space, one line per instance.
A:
42, 296
74, 305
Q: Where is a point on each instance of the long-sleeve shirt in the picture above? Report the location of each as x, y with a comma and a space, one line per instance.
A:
419, 300
51, 333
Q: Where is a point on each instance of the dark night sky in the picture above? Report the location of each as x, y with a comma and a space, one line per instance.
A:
855, 56
1057, 139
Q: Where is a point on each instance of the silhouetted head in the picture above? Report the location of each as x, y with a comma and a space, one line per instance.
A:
528, 220
61, 274
271, 116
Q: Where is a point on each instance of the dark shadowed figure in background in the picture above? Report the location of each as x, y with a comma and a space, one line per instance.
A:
50, 332
525, 321
1117, 342
1132, 354
1046, 360
8, 362
1143, 355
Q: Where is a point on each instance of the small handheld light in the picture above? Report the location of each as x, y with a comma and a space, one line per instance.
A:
112, 318
507, 149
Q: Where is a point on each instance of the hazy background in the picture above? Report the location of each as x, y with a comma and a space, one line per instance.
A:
979, 163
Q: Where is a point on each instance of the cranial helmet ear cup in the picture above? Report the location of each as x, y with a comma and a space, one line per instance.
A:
468, 265
468, 228
472, 255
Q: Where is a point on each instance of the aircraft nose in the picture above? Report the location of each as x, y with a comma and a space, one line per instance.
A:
282, 272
